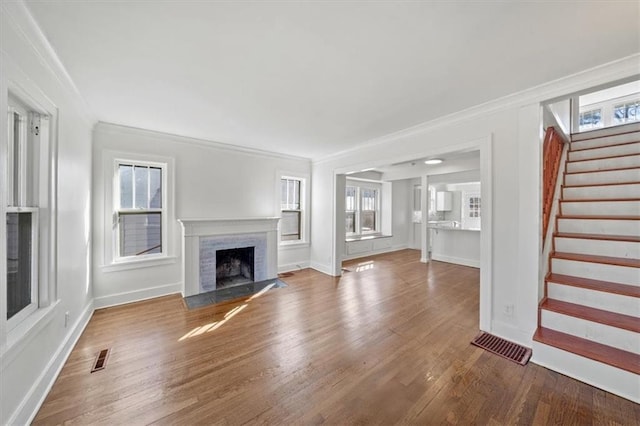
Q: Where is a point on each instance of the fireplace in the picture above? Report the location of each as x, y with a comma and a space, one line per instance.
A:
208, 242
234, 266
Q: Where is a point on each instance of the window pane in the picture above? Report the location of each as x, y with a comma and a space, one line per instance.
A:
141, 175
290, 194
290, 226
296, 194
155, 187
140, 233
368, 221
126, 186
19, 253
15, 161
369, 199
350, 222
350, 200
283, 194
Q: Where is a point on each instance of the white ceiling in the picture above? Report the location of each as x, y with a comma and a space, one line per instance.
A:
315, 78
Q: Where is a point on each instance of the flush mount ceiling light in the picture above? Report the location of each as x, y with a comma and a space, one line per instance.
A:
433, 161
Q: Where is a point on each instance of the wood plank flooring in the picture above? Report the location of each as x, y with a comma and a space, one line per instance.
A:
387, 343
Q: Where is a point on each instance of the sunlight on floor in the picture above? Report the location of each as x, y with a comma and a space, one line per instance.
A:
363, 266
261, 292
207, 328
213, 325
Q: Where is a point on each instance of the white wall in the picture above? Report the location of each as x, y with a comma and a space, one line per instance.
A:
510, 124
401, 213
30, 362
211, 181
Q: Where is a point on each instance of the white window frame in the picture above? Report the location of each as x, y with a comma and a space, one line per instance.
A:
304, 208
117, 257
111, 261
359, 185
37, 187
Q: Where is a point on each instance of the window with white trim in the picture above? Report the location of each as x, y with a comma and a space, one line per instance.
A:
627, 112
292, 209
27, 212
139, 214
362, 208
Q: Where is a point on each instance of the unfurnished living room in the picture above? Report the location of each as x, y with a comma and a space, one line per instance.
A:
319, 212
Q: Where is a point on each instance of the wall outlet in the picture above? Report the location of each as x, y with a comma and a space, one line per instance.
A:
508, 311
66, 319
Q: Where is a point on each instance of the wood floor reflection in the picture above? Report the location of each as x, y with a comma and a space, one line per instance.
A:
386, 343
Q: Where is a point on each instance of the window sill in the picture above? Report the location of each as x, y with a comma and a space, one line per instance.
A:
138, 263
290, 245
25, 331
365, 237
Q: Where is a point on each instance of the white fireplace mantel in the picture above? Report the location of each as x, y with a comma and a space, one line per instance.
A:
195, 230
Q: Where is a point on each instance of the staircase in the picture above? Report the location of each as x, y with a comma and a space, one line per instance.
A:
589, 317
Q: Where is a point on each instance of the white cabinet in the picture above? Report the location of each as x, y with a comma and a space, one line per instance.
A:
443, 201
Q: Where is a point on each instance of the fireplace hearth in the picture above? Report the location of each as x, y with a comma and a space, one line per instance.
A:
234, 267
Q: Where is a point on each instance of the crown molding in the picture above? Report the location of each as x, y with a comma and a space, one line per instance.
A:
616, 70
24, 24
120, 129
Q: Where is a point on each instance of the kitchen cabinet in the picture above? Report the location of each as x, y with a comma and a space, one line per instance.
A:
444, 201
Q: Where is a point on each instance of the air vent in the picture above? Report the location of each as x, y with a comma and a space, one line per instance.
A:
503, 348
101, 360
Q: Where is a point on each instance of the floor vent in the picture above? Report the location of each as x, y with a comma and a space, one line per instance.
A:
101, 360
503, 348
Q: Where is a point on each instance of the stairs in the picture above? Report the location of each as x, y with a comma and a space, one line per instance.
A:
589, 317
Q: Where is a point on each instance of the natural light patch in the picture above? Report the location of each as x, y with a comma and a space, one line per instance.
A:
213, 325
261, 292
363, 266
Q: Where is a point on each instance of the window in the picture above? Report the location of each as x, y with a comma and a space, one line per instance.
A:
627, 112
471, 209
351, 208
140, 218
291, 209
474, 207
362, 209
591, 119
27, 137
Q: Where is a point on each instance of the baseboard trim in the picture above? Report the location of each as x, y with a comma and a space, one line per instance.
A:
325, 269
28, 408
137, 295
457, 260
292, 267
514, 334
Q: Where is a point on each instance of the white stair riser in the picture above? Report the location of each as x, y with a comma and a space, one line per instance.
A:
596, 271
600, 226
611, 336
604, 164
603, 376
625, 249
601, 208
621, 304
595, 178
631, 190
606, 151
603, 141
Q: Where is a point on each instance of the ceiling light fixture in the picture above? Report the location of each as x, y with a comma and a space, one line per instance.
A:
433, 161
368, 170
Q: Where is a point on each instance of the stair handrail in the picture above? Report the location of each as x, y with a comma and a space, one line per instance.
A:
552, 154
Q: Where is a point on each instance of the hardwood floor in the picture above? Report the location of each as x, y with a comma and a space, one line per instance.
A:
386, 343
